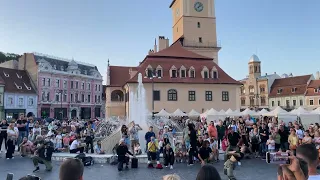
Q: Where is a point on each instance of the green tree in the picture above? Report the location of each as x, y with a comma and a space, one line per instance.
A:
3, 57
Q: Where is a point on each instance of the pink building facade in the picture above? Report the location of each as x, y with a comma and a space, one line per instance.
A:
66, 89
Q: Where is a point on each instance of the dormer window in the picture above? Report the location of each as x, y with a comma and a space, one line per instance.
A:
29, 88
149, 71
19, 76
205, 75
6, 75
54, 67
18, 87
173, 72
192, 73
183, 72
316, 90
293, 90
159, 71
279, 91
214, 73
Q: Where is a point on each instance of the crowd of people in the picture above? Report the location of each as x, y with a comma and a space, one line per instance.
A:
201, 141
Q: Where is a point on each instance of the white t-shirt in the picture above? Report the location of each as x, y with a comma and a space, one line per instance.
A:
314, 177
271, 144
74, 145
58, 139
36, 131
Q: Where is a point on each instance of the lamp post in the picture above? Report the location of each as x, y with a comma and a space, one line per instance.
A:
152, 80
257, 94
61, 112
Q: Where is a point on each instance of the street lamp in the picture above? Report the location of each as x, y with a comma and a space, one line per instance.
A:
152, 79
61, 111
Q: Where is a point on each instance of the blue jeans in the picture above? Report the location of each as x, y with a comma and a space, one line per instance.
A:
22, 134
263, 148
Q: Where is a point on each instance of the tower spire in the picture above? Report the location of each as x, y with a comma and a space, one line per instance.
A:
108, 62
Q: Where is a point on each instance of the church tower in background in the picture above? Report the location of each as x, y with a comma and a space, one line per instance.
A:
194, 23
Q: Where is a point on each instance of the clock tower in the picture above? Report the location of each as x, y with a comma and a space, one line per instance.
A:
194, 22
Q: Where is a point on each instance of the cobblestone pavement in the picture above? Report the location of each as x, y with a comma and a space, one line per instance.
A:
249, 170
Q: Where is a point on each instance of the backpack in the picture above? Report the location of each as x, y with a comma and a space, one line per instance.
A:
86, 160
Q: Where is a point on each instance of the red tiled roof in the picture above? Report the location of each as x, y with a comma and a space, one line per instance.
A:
177, 51
119, 75
12, 81
286, 84
314, 84
177, 56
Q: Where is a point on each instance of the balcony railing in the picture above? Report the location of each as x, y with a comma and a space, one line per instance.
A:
196, 44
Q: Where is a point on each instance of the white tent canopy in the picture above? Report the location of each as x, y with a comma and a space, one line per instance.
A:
178, 113
299, 111
212, 112
277, 111
163, 113
263, 111
229, 111
222, 112
316, 111
235, 113
248, 112
193, 113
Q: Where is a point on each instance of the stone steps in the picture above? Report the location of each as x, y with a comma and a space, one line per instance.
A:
102, 158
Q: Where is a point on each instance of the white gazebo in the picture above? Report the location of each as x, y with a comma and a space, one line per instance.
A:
193, 113
277, 111
229, 111
178, 113
163, 113
263, 112
248, 112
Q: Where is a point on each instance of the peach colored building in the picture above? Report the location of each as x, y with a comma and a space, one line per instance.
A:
312, 95
289, 92
179, 79
185, 75
256, 87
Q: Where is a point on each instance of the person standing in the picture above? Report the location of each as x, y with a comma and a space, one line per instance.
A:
134, 134
89, 133
264, 136
221, 132
22, 127
148, 136
212, 131
3, 133
12, 138
193, 151
284, 135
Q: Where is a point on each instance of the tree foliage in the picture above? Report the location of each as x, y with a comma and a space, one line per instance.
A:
8, 56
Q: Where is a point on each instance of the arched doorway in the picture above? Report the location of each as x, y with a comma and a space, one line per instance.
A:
73, 113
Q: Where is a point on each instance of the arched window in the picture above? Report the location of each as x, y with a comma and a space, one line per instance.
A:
117, 95
250, 69
251, 89
172, 95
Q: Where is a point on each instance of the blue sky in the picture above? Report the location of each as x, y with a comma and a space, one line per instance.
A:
283, 33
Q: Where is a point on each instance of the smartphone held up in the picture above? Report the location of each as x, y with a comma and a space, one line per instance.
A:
277, 158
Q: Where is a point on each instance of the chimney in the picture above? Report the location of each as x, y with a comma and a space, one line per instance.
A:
151, 51
155, 48
317, 75
163, 43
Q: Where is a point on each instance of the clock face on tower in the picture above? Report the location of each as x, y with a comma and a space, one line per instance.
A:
198, 6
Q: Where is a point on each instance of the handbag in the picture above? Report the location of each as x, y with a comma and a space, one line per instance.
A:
293, 147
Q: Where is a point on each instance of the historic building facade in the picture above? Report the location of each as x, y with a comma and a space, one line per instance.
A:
173, 78
194, 23
185, 75
20, 97
312, 95
65, 88
289, 92
256, 87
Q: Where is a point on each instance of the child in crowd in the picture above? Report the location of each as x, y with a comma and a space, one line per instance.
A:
137, 149
180, 152
58, 141
168, 156
271, 144
98, 149
215, 150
